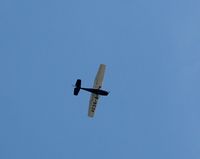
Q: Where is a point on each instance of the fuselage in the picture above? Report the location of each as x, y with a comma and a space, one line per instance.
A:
96, 91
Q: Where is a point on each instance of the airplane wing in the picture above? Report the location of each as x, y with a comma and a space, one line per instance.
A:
93, 103
97, 85
99, 77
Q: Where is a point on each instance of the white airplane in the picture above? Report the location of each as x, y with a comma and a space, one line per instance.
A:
96, 90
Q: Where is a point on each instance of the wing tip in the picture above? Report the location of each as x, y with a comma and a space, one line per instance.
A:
90, 115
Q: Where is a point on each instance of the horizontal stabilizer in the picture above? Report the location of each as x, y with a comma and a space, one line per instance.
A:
77, 87
78, 83
76, 91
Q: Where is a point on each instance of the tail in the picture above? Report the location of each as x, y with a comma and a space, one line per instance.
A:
77, 87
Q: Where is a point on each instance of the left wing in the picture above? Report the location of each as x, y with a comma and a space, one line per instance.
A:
93, 103
99, 77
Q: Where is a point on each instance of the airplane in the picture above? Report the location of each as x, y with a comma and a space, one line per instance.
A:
96, 91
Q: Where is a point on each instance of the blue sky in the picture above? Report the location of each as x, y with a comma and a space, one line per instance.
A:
152, 53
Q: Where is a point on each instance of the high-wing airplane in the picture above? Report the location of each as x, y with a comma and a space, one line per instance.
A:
96, 90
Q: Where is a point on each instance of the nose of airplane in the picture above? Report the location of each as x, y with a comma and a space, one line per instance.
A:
107, 93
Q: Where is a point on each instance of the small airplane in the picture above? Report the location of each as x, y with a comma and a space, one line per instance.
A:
96, 90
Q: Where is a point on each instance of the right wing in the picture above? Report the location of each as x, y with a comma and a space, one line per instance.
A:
93, 103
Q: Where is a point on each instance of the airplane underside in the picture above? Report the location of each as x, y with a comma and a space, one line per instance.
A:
96, 91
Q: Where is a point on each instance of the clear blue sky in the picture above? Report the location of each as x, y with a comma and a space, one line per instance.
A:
152, 53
